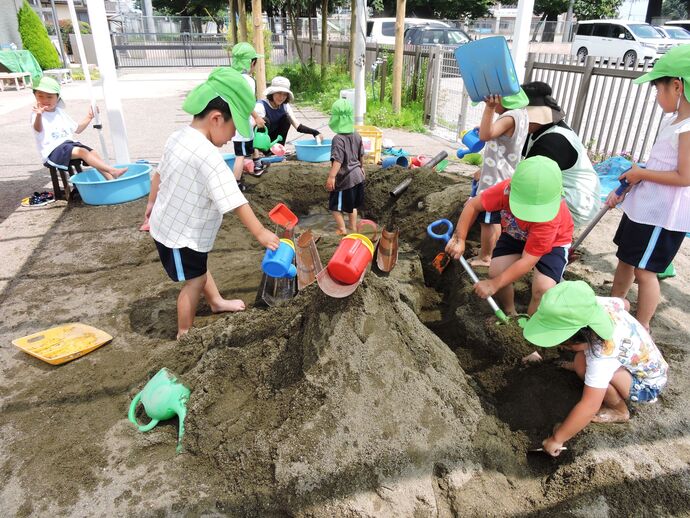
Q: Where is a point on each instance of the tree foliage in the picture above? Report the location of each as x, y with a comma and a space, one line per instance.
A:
675, 9
35, 38
596, 9
450, 9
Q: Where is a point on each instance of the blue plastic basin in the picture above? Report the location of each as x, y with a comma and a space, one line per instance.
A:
96, 190
230, 160
310, 151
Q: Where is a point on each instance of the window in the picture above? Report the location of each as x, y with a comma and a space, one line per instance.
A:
644, 31
388, 28
456, 37
585, 29
602, 30
370, 26
431, 38
620, 32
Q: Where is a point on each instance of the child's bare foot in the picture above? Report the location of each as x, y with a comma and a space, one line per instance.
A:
107, 175
227, 306
611, 415
340, 231
118, 172
181, 333
532, 359
480, 261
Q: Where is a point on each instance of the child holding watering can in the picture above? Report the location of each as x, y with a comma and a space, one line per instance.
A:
244, 61
504, 139
346, 176
657, 208
193, 190
536, 232
615, 356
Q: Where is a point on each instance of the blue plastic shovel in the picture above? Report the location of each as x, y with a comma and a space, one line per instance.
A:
445, 237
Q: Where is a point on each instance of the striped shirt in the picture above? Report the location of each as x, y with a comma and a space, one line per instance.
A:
666, 206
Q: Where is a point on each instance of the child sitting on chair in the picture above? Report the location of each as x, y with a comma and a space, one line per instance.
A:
346, 176
54, 132
615, 356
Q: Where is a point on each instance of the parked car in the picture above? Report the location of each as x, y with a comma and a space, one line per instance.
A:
618, 39
382, 30
432, 35
685, 24
674, 35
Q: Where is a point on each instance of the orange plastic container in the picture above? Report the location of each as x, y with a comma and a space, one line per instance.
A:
351, 258
371, 139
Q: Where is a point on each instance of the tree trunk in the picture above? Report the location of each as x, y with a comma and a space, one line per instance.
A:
293, 27
324, 38
353, 31
242, 9
311, 36
260, 70
398, 56
232, 21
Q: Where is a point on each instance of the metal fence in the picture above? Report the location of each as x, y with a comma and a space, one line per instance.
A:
169, 50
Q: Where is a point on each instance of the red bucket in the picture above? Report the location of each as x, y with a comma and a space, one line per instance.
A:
351, 258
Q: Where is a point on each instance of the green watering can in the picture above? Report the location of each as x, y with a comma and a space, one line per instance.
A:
163, 397
262, 141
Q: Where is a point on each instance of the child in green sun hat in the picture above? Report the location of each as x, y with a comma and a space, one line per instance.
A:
536, 231
615, 355
194, 189
504, 139
657, 208
346, 177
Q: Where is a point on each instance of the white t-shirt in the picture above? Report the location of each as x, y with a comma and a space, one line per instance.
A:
238, 137
196, 189
631, 347
58, 127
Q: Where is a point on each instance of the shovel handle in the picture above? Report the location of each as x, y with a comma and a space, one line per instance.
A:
620, 190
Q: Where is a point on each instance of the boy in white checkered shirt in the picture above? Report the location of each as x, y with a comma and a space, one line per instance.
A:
195, 188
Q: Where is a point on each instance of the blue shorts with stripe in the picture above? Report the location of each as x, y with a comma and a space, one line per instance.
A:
182, 264
490, 218
552, 264
645, 246
61, 156
347, 200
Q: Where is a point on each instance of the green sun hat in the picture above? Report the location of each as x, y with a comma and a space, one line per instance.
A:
675, 63
563, 311
229, 85
535, 190
342, 117
512, 102
242, 55
48, 85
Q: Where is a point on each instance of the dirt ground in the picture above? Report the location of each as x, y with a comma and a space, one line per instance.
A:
405, 399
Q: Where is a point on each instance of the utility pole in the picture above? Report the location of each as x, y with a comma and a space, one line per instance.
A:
360, 62
399, 54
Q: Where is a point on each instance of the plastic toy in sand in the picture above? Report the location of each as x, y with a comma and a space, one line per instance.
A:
390, 161
262, 141
346, 269
278, 263
472, 143
163, 397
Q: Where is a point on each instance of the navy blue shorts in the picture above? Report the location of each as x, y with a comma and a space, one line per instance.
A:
182, 264
347, 200
552, 264
243, 148
61, 155
645, 246
490, 218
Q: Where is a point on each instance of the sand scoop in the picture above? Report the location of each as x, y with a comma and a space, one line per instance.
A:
278, 290
308, 260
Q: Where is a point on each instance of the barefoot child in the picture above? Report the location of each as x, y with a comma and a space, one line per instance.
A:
504, 139
194, 190
615, 356
657, 209
54, 132
536, 231
346, 176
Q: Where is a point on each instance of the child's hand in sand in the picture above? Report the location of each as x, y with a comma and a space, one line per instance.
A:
268, 239
552, 446
455, 247
485, 288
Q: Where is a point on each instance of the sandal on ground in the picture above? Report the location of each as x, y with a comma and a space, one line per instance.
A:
38, 199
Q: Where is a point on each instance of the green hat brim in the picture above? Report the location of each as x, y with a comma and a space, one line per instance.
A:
199, 97
534, 213
511, 102
537, 332
48, 85
652, 75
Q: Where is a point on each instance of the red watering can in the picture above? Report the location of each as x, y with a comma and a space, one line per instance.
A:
351, 258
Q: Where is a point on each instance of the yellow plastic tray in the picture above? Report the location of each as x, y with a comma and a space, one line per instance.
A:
63, 343
374, 138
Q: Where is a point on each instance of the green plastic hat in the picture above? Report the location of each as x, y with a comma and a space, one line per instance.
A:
535, 190
342, 117
513, 102
242, 55
563, 311
675, 63
229, 85
48, 85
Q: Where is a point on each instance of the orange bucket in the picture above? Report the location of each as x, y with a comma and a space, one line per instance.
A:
351, 258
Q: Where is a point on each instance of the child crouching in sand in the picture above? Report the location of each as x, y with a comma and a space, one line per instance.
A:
615, 356
346, 176
194, 189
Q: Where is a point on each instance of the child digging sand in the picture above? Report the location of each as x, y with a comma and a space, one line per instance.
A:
504, 139
657, 208
194, 189
54, 132
346, 176
615, 356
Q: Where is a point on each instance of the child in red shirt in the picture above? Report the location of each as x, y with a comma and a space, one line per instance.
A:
536, 230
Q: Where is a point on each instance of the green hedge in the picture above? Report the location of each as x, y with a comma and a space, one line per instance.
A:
35, 38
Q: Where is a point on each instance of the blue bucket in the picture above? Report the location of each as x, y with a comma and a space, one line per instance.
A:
96, 190
310, 151
230, 160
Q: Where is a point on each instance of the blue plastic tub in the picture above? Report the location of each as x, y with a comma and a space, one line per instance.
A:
96, 190
310, 151
229, 159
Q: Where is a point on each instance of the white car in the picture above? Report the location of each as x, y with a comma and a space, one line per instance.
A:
674, 35
630, 41
382, 30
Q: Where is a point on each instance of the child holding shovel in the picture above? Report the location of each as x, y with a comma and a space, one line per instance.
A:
193, 191
504, 139
346, 176
615, 356
537, 230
